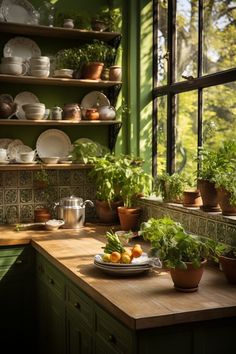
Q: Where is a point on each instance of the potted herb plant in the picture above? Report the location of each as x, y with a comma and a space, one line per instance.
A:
225, 255
226, 189
208, 162
170, 187
105, 174
134, 181
184, 254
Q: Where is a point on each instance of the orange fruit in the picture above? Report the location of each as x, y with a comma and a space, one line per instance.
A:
137, 251
115, 257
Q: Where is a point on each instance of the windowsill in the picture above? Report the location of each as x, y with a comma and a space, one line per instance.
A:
213, 225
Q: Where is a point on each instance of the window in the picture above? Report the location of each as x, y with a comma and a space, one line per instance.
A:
194, 80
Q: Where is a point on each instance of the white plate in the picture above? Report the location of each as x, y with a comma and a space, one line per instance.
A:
5, 162
53, 142
21, 47
94, 99
123, 271
18, 11
24, 98
12, 149
4, 143
141, 261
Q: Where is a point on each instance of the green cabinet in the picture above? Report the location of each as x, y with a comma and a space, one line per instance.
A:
17, 293
50, 308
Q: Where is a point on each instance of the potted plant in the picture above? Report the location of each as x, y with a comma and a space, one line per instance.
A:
208, 162
170, 187
184, 254
225, 255
226, 189
85, 150
134, 181
71, 58
105, 174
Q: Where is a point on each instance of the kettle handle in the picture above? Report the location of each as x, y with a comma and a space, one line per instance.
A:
88, 202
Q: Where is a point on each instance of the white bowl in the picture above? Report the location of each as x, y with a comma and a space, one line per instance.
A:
50, 159
53, 224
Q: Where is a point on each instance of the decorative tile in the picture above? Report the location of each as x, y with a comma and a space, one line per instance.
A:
1, 196
78, 192
53, 177
185, 221
78, 177
10, 179
12, 214
25, 178
1, 179
2, 219
64, 192
231, 235
193, 224
26, 195
64, 178
211, 229
221, 232
11, 196
26, 213
202, 227
89, 191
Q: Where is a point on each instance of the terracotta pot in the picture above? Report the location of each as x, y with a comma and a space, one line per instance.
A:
224, 201
92, 71
228, 266
192, 198
129, 218
71, 111
107, 213
209, 196
187, 280
92, 114
41, 215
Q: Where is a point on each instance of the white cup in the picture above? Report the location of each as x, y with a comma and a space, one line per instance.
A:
3, 154
12, 60
40, 72
13, 69
39, 60
27, 156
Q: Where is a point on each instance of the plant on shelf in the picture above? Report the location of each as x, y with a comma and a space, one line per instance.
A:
71, 58
184, 254
226, 188
84, 151
109, 19
171, 187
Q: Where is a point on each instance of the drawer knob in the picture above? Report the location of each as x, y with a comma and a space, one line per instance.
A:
111, 338
77, 305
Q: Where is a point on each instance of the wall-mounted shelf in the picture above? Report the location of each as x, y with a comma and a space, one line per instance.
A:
59, 166
57, 32
13, 79
15, 122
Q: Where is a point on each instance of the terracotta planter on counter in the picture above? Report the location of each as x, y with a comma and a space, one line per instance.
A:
129, 218
228, 266
192, 198
209, 196
107, 214
224, 201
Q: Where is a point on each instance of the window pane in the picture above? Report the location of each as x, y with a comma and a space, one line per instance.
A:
161, 134
219, 114
186, 132
219, 43
162, 43
186, 38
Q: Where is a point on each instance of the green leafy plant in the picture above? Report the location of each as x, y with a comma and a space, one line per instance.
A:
112, 18
227, 181
98, 51
172, 244
85, 151
171, 187
71, 58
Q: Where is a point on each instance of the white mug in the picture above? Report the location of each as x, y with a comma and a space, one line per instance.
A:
27, 156
3, 154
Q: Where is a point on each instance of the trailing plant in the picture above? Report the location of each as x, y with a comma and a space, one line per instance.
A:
172, 244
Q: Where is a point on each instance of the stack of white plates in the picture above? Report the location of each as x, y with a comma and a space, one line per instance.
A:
138, 265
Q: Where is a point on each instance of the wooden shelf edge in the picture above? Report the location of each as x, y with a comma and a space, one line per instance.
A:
57, 122
21, 167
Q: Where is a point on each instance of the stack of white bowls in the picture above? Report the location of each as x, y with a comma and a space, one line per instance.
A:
34, 111
13, 66
39, 66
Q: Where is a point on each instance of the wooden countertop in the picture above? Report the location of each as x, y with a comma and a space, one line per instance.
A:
143, 301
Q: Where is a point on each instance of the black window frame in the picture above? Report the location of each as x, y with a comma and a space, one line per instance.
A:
172, 88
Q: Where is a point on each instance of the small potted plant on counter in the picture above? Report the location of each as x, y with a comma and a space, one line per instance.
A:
185, 255
134, 182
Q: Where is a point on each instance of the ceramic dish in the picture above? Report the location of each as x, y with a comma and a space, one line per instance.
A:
24, 98
21, 149
123, 271
12, 150
18, 11
53, 142
4, 143
67, 73
4, 162
93, 99
21, 47
141, 261
53, 224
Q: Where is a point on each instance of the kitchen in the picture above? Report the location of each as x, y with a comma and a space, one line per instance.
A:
63, 260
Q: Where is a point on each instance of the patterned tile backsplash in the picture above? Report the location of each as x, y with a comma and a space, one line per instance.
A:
19, 197
212, 225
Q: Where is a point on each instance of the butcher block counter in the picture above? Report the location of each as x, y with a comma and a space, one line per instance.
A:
142, 302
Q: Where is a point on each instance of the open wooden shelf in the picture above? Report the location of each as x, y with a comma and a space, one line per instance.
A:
57, 32
57, 122
39, 166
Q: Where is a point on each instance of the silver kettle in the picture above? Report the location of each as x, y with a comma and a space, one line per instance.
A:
72, 211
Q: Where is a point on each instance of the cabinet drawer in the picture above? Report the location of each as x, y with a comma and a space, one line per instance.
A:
15, 261
50, 276
112, 333
80, 304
